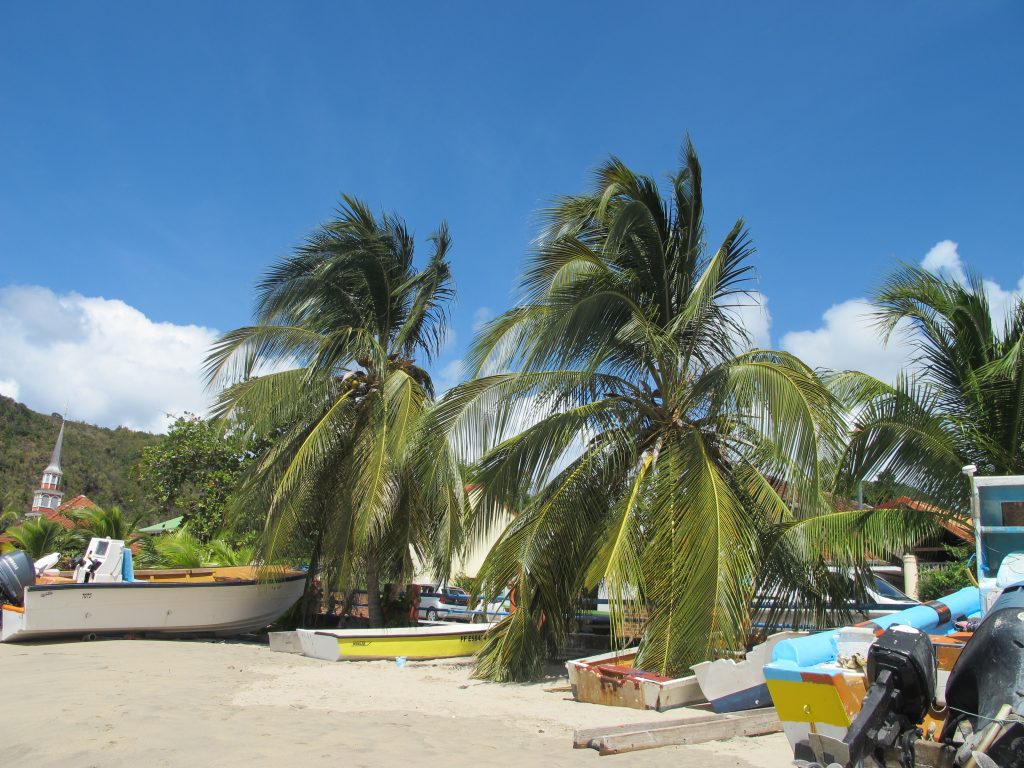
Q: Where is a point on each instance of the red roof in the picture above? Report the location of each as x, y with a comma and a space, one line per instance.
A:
78, 502
57, 517
946, 519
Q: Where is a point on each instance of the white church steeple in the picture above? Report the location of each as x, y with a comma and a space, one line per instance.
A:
49, 494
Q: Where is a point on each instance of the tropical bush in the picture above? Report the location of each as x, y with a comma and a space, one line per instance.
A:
938, 582
41, 536
182, 549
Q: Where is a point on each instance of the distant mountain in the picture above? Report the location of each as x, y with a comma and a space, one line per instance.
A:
96, 461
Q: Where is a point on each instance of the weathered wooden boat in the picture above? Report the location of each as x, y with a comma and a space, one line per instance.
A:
910, 688
105, 596
432, 641
611, 679
729, 685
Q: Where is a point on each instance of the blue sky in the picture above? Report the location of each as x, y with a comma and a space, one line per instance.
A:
156, 159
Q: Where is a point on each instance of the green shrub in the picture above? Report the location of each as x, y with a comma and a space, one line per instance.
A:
939, 582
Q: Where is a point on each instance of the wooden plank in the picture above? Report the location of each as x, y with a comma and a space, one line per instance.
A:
693, 731
583, 736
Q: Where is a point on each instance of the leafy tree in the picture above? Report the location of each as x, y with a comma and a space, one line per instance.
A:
194, 471
963, 402
884, 488
936, 583
96, 461
351, 472
652, 451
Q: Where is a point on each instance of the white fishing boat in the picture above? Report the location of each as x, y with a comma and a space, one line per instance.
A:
105, 596
735, 685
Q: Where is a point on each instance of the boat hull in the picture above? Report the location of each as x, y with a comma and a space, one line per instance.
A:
414, 643
611, 679
218, 608
734, 686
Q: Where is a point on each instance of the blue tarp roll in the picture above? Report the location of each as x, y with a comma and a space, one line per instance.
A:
127, 570
817, 649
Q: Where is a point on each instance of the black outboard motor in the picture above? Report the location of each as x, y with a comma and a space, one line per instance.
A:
17, 571
901, 671
988, 676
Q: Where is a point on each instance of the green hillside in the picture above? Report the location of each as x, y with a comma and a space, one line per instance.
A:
96, 461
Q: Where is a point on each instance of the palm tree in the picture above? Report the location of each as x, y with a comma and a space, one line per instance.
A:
108, 523
7, 517
963, 402
40, 536
350, 468
179, 549
655, 450
182, 549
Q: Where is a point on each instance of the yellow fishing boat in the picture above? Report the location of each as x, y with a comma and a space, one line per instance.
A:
431, 641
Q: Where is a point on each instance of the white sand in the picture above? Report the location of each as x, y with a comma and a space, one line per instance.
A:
194, 704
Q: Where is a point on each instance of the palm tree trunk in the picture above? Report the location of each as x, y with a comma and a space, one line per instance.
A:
311, 597
373, 605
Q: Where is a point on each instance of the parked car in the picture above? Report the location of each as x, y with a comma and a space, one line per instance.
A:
455, 596
443, 603
880, 599
495, 610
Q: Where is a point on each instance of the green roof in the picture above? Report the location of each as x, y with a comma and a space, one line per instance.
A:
167, 525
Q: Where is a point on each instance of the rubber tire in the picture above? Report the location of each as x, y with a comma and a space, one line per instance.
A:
431, 614
477, 618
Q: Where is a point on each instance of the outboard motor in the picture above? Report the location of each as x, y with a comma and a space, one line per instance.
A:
986, 686
17, 571
901, 672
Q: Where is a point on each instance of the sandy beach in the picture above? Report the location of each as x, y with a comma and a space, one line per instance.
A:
179, 703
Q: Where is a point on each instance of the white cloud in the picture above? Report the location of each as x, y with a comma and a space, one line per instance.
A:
755, 317
9, 388
1000, 301
848, 341
449, 375
481, 317
103, 359
944, 258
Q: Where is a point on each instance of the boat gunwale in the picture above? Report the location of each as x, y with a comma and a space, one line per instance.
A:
227, 582
369, 634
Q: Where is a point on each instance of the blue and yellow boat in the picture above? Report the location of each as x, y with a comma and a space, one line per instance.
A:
820, 683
